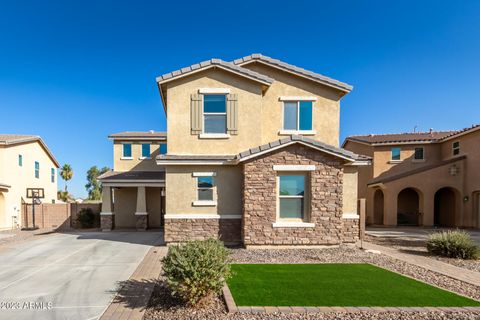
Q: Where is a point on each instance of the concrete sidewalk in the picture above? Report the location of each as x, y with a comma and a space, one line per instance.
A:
446, 269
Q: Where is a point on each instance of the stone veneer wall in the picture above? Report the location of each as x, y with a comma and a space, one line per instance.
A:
260, 200
181, 230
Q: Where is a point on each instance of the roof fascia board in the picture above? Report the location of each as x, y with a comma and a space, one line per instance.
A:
195, 162
456, 135
294, 73
293, 142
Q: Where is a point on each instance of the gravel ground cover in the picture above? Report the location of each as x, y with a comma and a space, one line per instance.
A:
164, 306
417, 246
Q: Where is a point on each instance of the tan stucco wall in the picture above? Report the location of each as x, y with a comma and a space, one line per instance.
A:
180, 139
350, 176
126, 202
181, 190
20, 178
365, 173
326, 110
136, 163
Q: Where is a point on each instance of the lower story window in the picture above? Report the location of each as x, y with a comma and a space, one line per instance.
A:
291, 196
205, 188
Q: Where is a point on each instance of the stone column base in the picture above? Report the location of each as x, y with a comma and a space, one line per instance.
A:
107, 221
141, 221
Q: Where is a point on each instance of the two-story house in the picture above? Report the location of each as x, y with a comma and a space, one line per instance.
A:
253, 157
25, 162
424, 178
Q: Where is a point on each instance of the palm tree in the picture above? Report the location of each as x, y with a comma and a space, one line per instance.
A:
66, 173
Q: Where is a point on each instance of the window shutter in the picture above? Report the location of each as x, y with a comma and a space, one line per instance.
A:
232, 114
196, 113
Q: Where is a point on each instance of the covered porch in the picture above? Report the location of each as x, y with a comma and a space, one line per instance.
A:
133, 200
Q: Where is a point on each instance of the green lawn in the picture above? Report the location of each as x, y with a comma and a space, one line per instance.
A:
352, 285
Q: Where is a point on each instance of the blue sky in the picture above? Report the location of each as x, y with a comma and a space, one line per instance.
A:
75, 73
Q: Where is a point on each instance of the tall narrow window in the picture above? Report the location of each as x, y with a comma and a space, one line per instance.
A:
396, 153
20, 160
419, 153
215, 113
52, 175
163, 148
145, 150
127, 150
205, 188
291, 196
297, 115
37, 169
456, 148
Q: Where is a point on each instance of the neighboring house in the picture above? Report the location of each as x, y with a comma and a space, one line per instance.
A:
252, 158
427, 178
25, 162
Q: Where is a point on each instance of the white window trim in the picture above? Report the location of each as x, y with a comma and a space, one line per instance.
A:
214, 90
204, 174
204, 203
304, 197
297, 98
395, 161
298, 131
214, 135
126, 158
144, 158
350, 215
207, 135
294, 167
286, 224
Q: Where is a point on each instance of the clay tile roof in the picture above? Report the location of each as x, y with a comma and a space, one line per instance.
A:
343, 153
402, 137
138, 135
212, 63
294, 69
157, 176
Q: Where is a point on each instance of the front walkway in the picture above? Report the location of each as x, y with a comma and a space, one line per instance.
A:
132, 299
429, 264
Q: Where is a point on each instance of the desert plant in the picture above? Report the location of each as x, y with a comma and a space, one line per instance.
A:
453, 244
87, 218
196, 270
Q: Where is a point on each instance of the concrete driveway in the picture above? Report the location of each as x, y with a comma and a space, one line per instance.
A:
68, 275
413, 233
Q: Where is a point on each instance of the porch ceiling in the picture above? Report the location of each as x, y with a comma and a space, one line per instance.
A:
133, 178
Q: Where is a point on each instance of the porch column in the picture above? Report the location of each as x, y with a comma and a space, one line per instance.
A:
141, 211
107, 217
390, 207
428, 209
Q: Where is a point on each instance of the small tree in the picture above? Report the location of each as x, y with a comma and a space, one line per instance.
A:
67, 174
93, 186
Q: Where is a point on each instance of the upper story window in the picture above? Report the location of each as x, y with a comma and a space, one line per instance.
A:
396, 153
52, 175
145, 150
297, 115
37, 169
291, 194
419, 153
127, 150
215, 113
20, 160
456, 148
163, 148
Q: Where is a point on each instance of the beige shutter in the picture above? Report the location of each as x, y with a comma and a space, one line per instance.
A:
196, 113
232, 114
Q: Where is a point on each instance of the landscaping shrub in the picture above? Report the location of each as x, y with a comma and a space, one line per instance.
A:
87, 218
196, 270
453, 244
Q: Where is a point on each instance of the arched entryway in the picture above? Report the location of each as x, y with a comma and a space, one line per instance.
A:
378, 205
408, 207
445, 207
